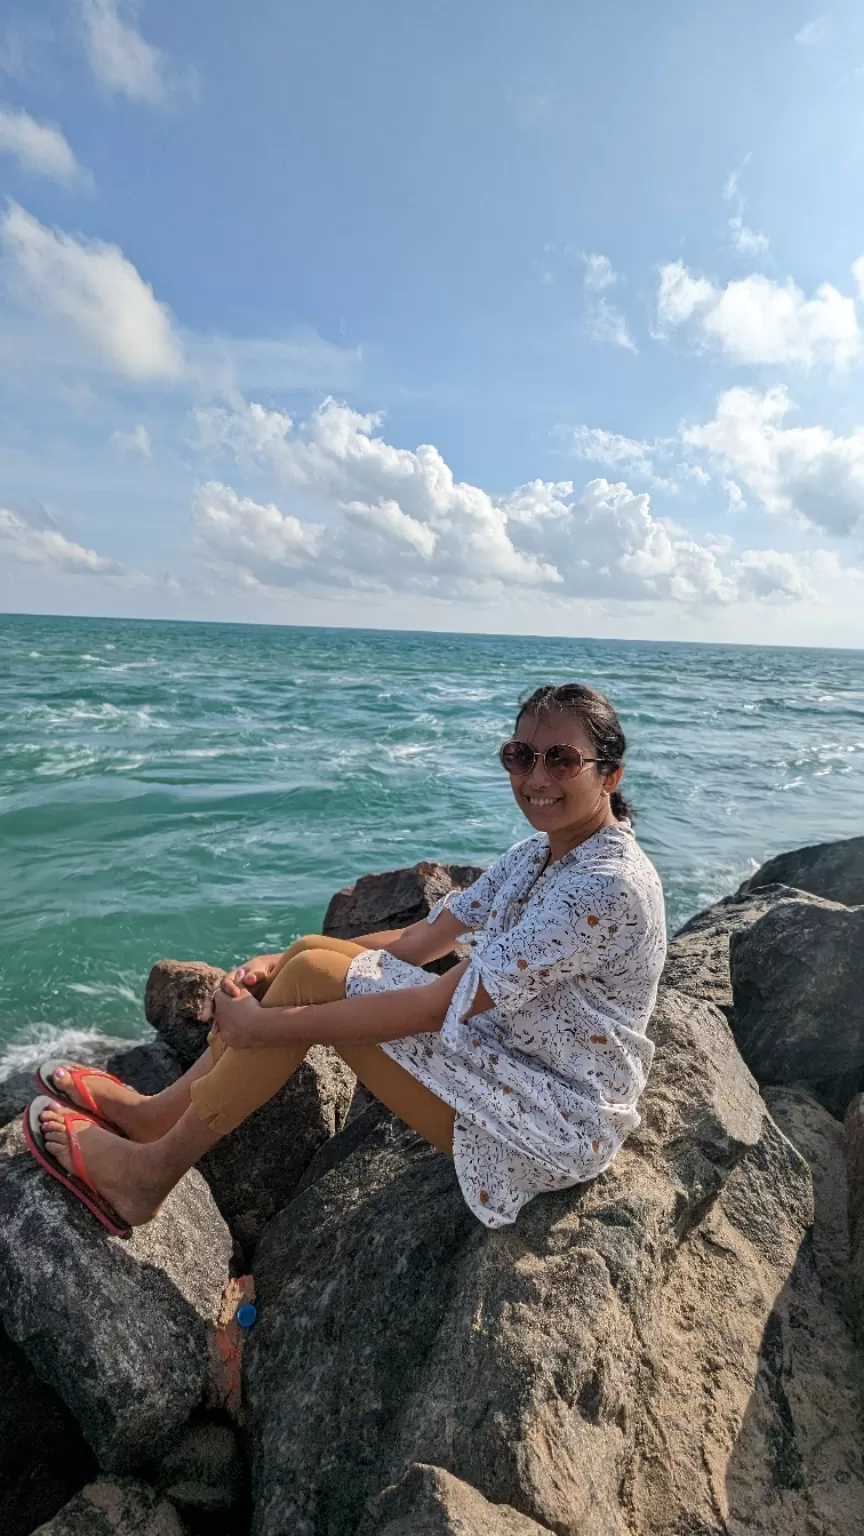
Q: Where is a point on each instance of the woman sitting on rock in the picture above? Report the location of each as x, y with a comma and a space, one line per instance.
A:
524, 1062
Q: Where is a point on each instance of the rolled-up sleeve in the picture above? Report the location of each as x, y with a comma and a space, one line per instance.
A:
563, 935
473, 905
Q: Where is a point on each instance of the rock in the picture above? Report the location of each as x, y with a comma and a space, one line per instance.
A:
204, 1470
43, 1457
173, 999
115, 1507
797, 984
750, 1419
430, 1502
854, 1127
510, 1359
821, 1140
395, 899
149, 1067
119, 1329
254, 1171
833, 870
697, 959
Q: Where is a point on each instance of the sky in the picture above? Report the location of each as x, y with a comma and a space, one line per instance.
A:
530, 316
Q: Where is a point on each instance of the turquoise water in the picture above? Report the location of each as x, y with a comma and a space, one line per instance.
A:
195, 790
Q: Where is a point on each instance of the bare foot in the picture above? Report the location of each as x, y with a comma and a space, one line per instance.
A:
118, 1169
140, 1116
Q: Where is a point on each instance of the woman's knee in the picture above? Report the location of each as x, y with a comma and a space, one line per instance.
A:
299, 947
311, 976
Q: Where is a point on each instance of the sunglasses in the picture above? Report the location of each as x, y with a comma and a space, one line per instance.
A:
560, 762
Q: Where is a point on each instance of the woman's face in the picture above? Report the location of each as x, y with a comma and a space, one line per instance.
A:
554, 805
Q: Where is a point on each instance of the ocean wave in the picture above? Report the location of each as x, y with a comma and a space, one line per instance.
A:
44, 1040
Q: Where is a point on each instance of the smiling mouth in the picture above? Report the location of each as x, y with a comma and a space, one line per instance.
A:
543, 800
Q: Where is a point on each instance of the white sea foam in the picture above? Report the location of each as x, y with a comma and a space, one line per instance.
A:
53, 1040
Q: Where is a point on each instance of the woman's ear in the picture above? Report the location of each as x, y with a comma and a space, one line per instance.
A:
613, 779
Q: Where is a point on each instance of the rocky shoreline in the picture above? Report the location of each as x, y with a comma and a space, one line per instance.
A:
674, 1350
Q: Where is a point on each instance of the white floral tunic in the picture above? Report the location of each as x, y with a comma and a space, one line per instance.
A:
545, 1083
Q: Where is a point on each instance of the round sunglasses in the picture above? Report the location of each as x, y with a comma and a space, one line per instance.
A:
560, 762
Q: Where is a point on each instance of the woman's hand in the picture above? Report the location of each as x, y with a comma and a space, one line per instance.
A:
256, 974
238, 1016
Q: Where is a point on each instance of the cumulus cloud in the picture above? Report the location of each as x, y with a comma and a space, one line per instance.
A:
599, 272
137, 441
367, 514
31, 536
808, 472
757, 320
38, 147
120, 57
92, 287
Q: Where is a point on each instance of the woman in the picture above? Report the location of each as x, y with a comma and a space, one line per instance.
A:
524, 1063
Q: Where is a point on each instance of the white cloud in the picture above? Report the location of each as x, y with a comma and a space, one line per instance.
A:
38, 147
599, 272
365, 514
607, 324
757, 320
94, 288
815, 32
617, 452
32, 537
807, 472
120, 57
747, 242
137, 441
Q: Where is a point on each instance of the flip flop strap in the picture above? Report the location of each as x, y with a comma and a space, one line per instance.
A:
75, 1149
77, 1076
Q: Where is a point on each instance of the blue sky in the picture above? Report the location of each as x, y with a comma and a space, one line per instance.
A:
502, 316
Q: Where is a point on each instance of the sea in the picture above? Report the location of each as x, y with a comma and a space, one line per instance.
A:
199, 791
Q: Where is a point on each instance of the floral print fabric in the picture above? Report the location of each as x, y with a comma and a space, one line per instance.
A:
545, 1083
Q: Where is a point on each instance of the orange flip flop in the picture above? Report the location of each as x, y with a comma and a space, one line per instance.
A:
78, 1183
44, 1076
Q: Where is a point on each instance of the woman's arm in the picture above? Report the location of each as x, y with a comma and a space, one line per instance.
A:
420, 942
364, 1020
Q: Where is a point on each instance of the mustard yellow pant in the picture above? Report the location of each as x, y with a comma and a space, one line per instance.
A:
313, 970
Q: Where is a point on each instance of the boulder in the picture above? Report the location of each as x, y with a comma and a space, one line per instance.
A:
854, 1128
43, 1456
833, 870
204, 1470
697, 958
797, 985
430, 1502
149, 1067
175, 994
115, 1507
395, 899
394, 1328
119, 1329
821, 1140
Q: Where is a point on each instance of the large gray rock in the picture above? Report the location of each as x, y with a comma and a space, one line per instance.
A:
115, 1507
430, 1502
833, 870
43, 1456
393, 1328
797, 984
854, 1128
396, 899
697, 958
821, 1140
119, 1329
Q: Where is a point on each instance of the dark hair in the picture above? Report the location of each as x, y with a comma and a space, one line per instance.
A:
596, 715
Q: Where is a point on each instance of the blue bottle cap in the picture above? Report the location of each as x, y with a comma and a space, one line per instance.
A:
246, 1315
